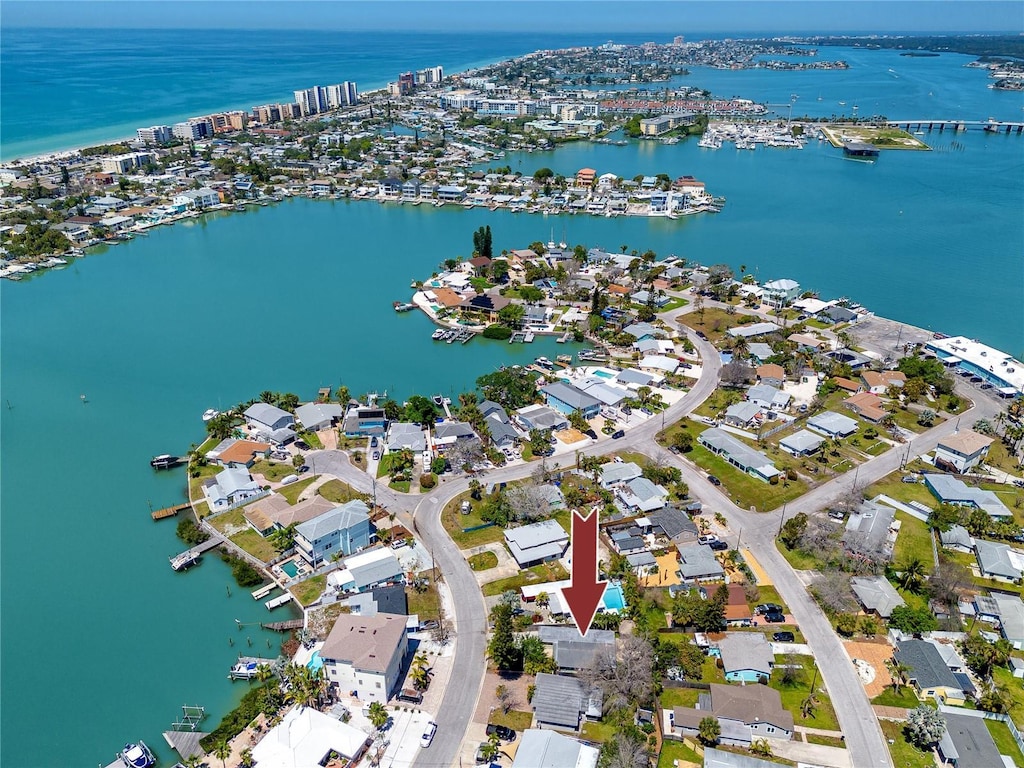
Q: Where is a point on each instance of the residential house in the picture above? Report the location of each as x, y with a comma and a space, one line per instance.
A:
855, 360
847, 385
390, 188
928, 673
317, 416
615, 472
631, 377
771, 375
802, 443
953, 490
753, 330
807, 343
869, 529
719, 758
641, 495
837, 314
366, 570
697, 562
737, 611
268, 419
876, 594
550, 749
487, 304
568, 399
410, 189
406, 436
306, 737
365, 654
238, 453
450, 432
503, 434
642, 331
744, 714
1010, 612
866, 405
364, 421
273, 511
585, 177
833, 424
663, 364
878, 382
342, 531
962, 451
537, 543
451, 193
744, 414
610, 394
673, 524
968, 743
957, 538
197, 198
780, 293
997, 561
229, 488
563, 702
768, 397
572, 651
739, 454
541, 418
746, 656
759, 352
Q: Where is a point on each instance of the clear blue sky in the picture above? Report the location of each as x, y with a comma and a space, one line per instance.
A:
686, 17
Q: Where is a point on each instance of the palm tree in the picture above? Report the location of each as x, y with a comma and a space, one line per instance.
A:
708, 730
913, 574
898, 672
378, 715
542, 600
222, 751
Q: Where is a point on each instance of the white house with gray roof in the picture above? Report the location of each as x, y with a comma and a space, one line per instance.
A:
802, 443
345, 529
265, 417
404, 435
957, 538
768, 397
832, 424
997, 561
869, 527
537, 542
230, 488
753, 330
541, 418
615, 472
641, 495
317, 416
953, 490
739, 454
366, 570
743, 414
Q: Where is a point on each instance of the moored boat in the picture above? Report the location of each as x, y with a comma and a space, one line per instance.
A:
210, 413
137, 755
164, 461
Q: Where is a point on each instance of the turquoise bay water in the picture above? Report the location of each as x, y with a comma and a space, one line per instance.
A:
297, 296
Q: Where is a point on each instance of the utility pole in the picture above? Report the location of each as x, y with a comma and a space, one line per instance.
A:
783, 518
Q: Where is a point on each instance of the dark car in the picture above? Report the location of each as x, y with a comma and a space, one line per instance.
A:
700, 335
591, 434
783, 637
714, 480
303, 469
718, 545
301, 445
504, 732
617, 434
773, 617
768, 608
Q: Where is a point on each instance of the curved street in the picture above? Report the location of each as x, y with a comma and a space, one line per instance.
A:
756, 531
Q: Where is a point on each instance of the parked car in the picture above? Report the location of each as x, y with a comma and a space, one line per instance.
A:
373, 442
719, 546
701, 335
301, 445
783, 637
836, 514
303, 469
617, 434
707, 539
768, 608
714, 480
428, 734
376, 455
910, 479
504, 732
289, 479
428, 625
591, 434
774, 617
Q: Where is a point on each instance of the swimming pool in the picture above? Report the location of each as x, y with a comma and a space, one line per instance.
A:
613, 598
315, 662
603, 374
290, 568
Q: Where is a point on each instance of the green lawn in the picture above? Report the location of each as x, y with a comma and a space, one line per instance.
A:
599, 732
828, 741
255, 545
402, 486
308, 591
913, 541
746, 491
671, 751
454, 522
195, 484
798, 559
1004, 741
905, 698
892, 487
385, 464
274, 471
679, 697
292, 492
426, 604
339, 492
769, 594
712, 321
227, 519
999, 457
515, 719
312, 439
537, 574
903, 753
1005, 678
824, 715
674, 303
483, 561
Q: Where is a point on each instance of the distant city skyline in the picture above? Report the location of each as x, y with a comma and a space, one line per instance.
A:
658, 17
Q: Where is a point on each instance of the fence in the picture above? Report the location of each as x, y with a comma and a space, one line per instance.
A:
987, 716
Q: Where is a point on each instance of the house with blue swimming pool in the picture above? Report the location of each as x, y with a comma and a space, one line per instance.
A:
746, 656
344, 529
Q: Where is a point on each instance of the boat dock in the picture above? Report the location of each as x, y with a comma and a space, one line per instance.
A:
259, 594
283, 626
191, 556
247, 667
518, 336
184, 735
528, 338
564, 337
462, 336
277, 602
160, 514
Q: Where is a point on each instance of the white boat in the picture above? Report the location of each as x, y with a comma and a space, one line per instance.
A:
210, 413
137, 756
529, 337
543, 362
437, 334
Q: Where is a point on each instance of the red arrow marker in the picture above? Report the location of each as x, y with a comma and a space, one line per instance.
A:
586, 591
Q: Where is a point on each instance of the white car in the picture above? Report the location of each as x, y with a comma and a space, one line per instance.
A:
428, 734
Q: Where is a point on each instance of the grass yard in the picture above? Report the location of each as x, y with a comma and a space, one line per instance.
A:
679, 697
339, 492
515, 719
537, 574
769, 594
905, 698
673, 751
454, 522
1005, 678
892, 487
903, 753
798, 559
274, 471
255, 545
483, 561
226, 520
195, 484
828, 741
426, 603
312, 439
402, 486
914, 541
293, 491
385, 464
308, 591
674, 303
1000, 458
1004, 740
599, 732
793, 696
746, 491
711, 321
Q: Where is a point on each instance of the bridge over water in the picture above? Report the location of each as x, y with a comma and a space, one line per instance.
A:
991, 126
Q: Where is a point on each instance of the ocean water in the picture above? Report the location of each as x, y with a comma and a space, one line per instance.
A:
298, 296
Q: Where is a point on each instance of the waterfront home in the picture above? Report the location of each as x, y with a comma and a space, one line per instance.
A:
390, 188
878, 382
654, 347
870, 529
366, 570
364, 421
193, 199
953, 490
585, 177
238, 453
317, 416
928, 673
229, 488
343, 530
550, 749
451, 193
410, 190
997, 561
780, 293
567, 399
876, 594
365, 654
503, 434
267, 419
275, 512
744, 713
486, 304
406, 436
642, 331
832, 424
802, 443
962, 451
306, 737
697, 562
739, 454
537, 543
967, 743
540, 417
563, 702
449, 432
610, 394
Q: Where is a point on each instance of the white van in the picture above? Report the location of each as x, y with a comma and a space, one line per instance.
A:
289, 479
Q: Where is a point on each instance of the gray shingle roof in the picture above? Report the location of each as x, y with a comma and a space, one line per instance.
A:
876, 594
968, 741
994, 559
568, 394
832, 423
926, 665
802, 441
560, 701
697, 561
671, 521
340, 518
549, 749
617, 472
746, 650
537, 541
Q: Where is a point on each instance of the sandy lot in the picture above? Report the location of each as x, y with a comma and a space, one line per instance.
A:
874, 654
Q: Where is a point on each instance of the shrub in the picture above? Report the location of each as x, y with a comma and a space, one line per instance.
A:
497, 332
846, 624
245, 575
428, 481
190, 533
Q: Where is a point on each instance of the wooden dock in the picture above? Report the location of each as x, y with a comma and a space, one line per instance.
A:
160, 514
192, 555
185, 743
283, 626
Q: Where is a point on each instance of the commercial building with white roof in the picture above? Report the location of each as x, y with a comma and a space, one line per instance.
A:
1003, 372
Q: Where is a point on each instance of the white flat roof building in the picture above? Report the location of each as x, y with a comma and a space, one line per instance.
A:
1001, 370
